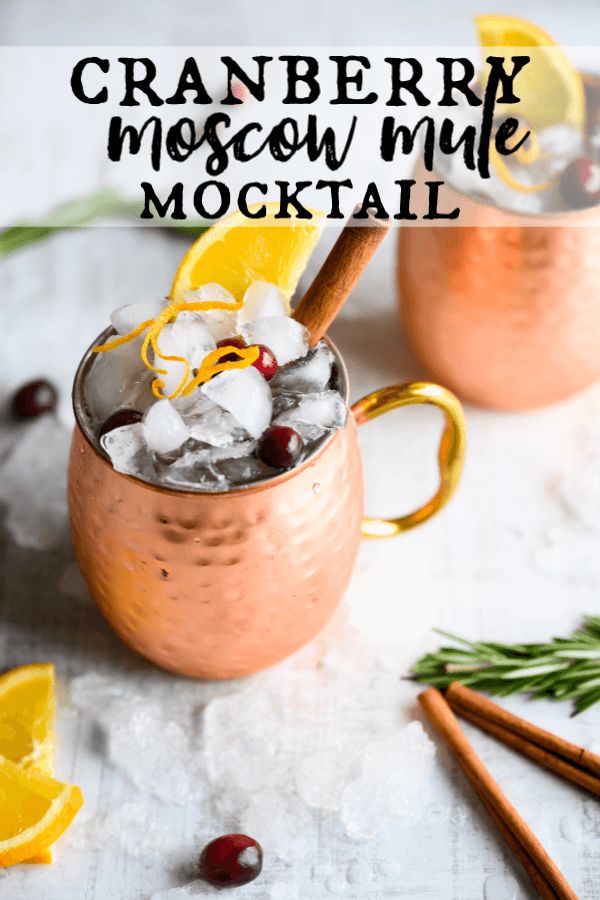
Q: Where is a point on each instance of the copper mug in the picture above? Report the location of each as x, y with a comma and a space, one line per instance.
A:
505, 310
219, 585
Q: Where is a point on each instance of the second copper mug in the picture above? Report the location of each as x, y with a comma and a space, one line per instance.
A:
219, 585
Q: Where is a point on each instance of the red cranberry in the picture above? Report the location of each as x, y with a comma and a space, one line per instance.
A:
120, 418
236, 341
280, 447
231, 860
580, 183
33, 399
266, 362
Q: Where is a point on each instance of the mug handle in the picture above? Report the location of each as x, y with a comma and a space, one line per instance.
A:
451, 449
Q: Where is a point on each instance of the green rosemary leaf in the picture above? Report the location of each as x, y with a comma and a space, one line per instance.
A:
566, 668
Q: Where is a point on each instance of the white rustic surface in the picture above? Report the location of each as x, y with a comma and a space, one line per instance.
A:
515, 557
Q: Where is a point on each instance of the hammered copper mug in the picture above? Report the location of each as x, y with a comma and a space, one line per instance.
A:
219, 585
504, 309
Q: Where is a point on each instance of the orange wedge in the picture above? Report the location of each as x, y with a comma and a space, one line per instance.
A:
550, 87
27, 716
236, 251
34, 811
27, 722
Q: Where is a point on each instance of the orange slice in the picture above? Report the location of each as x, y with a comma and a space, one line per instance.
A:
550, 87
27, 722
34, 811
27, 716
237, 251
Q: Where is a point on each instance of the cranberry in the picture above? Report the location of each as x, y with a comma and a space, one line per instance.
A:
280, 447
580, 183
236, 341
231, 860
266, 362
33, 399
120, 418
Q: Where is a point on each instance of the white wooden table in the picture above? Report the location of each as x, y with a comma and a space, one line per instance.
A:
514, 557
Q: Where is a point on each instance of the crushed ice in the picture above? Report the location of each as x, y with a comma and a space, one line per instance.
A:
181, 441
33, 484
265, 757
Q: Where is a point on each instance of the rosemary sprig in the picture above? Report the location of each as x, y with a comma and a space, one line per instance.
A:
80, 212
564, 669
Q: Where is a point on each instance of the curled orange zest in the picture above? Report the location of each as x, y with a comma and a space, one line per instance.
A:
212, 363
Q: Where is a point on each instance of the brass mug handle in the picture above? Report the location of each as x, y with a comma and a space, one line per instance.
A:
451, 449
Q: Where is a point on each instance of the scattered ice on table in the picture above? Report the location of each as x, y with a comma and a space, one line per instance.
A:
128, 451
337, 883
262, 300
163, 428
391, 781
320, 778
310, 374
222, 322
571, 829
312, 415
500, 887
152, 740
285, 337
33, 484
279, 824
119, 380
127, 318
245, 394
251, 758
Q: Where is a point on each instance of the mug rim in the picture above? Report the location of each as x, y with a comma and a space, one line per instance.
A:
80, 422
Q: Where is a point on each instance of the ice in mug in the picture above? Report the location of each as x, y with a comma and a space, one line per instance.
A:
179, 421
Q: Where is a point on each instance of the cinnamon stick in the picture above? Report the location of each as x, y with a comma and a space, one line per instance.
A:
527, 748
535, 876
337, 276
443, 719
486, 708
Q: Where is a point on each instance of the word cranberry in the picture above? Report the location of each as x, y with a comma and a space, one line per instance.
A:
120, 418
236, 341
33, 399
280, 447
266, 362
580, 183
231, 860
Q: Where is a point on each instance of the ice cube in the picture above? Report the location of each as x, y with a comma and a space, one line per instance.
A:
33, 484
164, 429
213, 425
127, 318
222, 322
262, 300
175, 371
244, 470
391, 782
285, 337
191, 333
245, 394
128, 451
324, 410
309, 374
118, 379
200, 468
